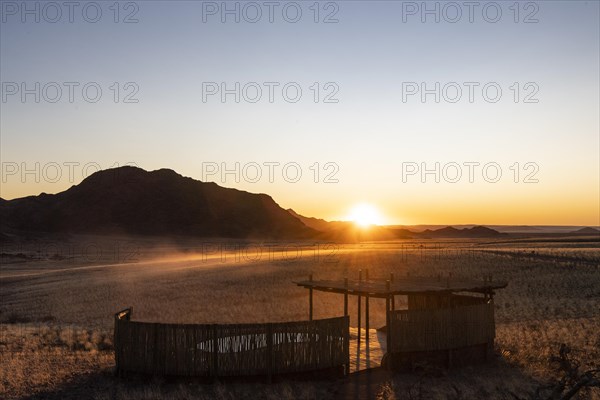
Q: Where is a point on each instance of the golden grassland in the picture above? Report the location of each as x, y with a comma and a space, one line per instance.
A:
56, 334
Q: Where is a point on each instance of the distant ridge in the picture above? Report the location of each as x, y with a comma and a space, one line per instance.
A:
587, 231
130, 200
511, 229
451, 232
347, 231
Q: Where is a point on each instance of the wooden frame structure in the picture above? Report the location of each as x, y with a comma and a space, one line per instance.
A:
441, 323
427, 298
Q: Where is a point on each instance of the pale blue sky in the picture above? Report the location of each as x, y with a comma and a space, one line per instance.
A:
369, 133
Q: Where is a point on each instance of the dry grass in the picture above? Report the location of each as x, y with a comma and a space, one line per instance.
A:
39, 357
64, 349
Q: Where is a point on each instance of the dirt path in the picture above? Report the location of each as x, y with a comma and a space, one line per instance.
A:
205, 261
370, 353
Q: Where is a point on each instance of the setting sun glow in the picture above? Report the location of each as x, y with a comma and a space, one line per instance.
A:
365, 215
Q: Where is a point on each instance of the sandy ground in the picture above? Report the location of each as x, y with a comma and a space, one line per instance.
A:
68, 296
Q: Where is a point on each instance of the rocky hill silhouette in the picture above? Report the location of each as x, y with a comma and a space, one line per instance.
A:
130, 200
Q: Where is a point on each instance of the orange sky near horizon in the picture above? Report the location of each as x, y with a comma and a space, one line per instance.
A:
414, 203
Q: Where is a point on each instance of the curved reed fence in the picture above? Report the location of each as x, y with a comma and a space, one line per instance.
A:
210, 350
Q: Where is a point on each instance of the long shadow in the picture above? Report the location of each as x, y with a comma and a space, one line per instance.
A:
466, 382
87, 386
105, 385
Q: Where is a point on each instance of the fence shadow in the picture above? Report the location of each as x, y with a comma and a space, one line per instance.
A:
495, 380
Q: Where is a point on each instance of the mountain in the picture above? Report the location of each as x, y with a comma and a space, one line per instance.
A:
320, 224
130, 200
451, 232
587, 231
348, 232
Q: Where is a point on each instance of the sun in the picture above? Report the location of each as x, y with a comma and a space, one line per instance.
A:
365, 215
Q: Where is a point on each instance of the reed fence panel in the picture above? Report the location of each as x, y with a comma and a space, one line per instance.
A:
229, 350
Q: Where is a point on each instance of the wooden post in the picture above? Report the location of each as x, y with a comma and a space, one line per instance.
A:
388, 328
359, 312
367, 319
124, 315
347, 345
387, 298
393, 297
310, 300
359, 304
346, 297
367, 274
117, 345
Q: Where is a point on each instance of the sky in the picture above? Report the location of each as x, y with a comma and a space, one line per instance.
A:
431, 113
